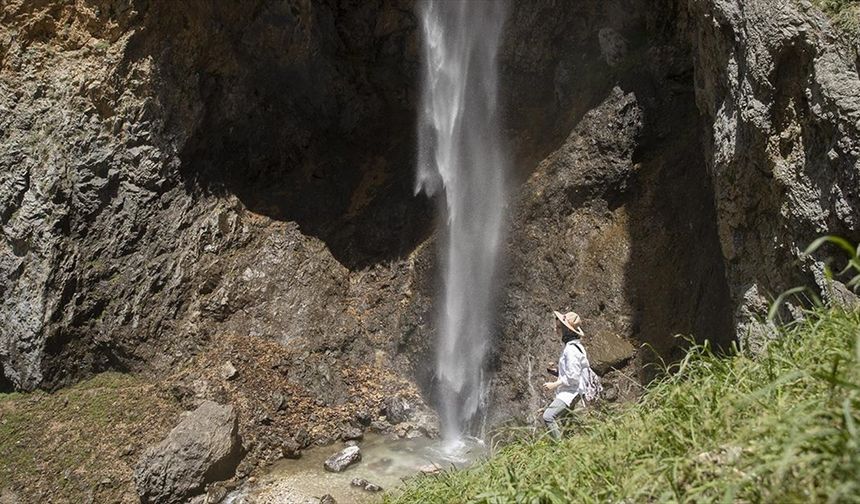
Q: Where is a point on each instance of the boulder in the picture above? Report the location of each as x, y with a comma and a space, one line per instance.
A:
204, 447
343, 459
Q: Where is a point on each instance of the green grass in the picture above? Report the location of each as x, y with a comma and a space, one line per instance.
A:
67, 444
780, 427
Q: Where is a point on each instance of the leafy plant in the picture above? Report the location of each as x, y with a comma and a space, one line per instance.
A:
850, 250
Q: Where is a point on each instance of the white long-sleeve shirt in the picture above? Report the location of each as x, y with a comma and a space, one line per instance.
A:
570, 366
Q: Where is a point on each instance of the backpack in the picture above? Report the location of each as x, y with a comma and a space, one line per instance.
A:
593, 387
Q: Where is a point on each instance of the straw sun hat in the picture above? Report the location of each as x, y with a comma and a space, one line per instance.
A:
570, 320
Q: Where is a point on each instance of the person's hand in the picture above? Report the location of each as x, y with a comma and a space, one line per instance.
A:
550, 386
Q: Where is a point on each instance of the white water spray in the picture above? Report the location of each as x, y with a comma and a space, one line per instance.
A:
460, 153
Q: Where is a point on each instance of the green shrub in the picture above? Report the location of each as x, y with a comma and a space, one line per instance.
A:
844, 13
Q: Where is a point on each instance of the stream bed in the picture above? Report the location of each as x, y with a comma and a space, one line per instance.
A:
385, 462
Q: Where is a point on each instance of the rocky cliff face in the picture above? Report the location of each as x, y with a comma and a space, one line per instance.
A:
780, 103
179, 174
169, 168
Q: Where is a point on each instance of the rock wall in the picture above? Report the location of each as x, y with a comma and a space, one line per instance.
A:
169, 168
779, 96
175, 172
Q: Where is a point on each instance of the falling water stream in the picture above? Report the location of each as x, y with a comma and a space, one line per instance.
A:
461, 158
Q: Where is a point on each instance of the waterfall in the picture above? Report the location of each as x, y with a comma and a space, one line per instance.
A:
461, 157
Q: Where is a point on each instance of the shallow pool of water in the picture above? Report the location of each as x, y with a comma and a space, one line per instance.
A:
385, 462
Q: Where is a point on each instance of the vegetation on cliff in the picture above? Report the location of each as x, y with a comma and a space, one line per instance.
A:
79, 444
844, 13
780, 427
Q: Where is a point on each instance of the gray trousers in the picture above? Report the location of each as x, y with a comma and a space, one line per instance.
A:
554, 412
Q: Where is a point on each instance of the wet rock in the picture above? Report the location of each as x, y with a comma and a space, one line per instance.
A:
228, 371
365, 485
426, 421
351, 442
204, 447
430, 469
352, 433
380, 426
397, 410
327, 499
343, 459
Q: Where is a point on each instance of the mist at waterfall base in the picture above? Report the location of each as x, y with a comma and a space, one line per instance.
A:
461, 159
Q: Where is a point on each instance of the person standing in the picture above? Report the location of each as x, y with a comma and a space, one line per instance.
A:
572, 371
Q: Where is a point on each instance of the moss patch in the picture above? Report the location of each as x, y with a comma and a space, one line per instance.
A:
845, 14
80, 444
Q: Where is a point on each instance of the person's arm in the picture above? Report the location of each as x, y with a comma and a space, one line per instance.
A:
553, 385
563, 372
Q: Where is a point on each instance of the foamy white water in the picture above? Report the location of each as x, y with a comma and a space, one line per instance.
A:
461, 156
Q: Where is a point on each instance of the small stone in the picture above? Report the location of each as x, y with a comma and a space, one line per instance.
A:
327, 499
352, 433
359, 482
364, 417
303, 438
380, 426
228, 371
365, 485
216, 494
279, 401
430, 469
291, 449
343, 459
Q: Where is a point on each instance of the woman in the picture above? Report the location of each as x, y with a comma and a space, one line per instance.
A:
569, 386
